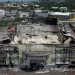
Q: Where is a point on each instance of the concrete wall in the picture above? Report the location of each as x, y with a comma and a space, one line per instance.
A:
40, 47
33, 47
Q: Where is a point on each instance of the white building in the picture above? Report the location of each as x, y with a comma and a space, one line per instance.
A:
24, 5
24, 14
65, 15
12, 5
63, 8
61, 13
36, 5
2, 13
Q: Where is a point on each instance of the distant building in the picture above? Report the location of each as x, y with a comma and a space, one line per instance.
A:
64, 15
11, 14
63, 8
36, 5
14, 13
7, 13
24, 5
72, 16
39, 13
23, 14
2, 13
44, 0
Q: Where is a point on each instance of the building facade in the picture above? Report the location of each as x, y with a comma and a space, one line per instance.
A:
25, 55
2, 14
8, 55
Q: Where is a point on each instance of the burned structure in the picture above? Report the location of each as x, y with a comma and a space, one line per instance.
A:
67, 34
37, 55
50, 32
38, 33
65, 55
9, 55
59, 55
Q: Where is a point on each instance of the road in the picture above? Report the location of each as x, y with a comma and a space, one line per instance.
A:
67, 22
45, 71
48, 71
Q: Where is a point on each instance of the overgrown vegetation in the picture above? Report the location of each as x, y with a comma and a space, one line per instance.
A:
18, 19
70, 4
5, 21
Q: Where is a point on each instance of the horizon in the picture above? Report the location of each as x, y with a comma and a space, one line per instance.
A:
17, 0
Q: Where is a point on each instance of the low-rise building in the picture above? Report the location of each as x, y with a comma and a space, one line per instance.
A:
60, 15
24, 5
23, 14
39, 13
2, 13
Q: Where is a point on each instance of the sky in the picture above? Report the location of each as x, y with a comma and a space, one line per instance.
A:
16, 0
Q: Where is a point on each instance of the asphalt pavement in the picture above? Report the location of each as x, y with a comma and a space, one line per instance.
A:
45, 71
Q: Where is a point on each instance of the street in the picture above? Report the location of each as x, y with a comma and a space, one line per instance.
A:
45, 71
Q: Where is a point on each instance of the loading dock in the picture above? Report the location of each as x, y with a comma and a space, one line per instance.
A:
30, 58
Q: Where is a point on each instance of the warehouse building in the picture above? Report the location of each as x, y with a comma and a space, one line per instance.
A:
59, 15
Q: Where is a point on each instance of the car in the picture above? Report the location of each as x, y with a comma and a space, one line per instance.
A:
40, 66
37, 66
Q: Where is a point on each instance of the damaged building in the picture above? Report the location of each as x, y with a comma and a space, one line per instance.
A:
43, 34
38, 43
4, 38
49, 32
37, 34
67, 34
24, 56
9, 55
58, 55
